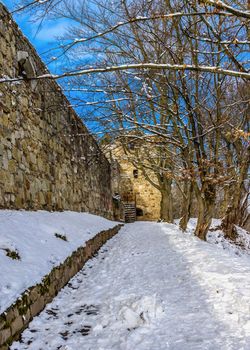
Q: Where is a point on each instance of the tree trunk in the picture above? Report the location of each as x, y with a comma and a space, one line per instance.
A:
166, 201
235, 211
225, 201
186, 206
206, 204
229, 221
233, 215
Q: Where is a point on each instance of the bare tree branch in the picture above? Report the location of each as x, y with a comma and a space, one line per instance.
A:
152, 66
222, 6
33, 3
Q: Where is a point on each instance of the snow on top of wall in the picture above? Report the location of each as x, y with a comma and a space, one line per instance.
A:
31, 235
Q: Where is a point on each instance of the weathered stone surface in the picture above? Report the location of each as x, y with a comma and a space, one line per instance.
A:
132, 186
16, 325
34, 294
4, 347
12, 314
4, 335
26, 317
2, 321
48, 159
37, 306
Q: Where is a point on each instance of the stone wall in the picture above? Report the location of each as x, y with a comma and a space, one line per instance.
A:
48, 160
17, 317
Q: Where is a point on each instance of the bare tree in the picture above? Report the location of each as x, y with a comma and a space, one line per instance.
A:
165, 71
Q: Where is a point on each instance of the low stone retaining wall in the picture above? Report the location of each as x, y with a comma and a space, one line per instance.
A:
17, 317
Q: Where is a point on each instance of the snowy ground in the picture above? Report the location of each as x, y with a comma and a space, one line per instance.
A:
240, 247
150, 288
29, 238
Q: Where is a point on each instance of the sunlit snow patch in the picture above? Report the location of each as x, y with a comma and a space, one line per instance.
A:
132, 312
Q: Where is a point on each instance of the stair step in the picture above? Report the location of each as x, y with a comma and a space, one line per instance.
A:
129, 211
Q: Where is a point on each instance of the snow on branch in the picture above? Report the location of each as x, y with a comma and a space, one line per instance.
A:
222, 6
142, 19
152, 66
32, 3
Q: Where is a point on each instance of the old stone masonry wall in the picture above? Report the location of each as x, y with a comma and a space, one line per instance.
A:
48, 160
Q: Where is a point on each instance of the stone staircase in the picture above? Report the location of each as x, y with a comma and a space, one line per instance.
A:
129, 211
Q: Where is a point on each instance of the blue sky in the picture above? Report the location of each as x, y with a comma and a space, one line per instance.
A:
43, 38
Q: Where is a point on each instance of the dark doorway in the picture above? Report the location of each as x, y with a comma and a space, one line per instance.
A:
139, 212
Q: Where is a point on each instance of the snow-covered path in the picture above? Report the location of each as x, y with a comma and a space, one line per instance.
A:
150, 287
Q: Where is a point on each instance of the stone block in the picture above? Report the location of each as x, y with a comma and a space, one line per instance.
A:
12, 314
3, 47
16, 325
34, 294
26, 317
37, 307
12, 166
5, 347
2, 322
5, 334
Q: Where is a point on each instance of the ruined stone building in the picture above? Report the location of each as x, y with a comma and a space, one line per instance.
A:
137, 198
